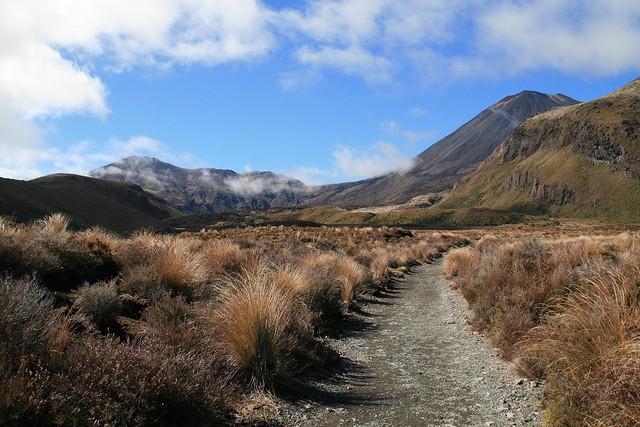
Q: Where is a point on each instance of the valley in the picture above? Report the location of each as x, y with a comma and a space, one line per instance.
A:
493, 283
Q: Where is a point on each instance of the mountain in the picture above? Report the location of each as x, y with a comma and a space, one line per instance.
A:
88, 201
435, 170
578, 161
205, 190
440, 166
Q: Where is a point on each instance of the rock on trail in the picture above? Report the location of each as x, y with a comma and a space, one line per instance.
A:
410, 359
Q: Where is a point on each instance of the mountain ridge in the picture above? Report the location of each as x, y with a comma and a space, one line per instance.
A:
205, 190
444, 163
581, 160
435, 170
121, 207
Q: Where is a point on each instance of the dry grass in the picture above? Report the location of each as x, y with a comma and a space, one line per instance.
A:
567, 310
260, 326
55, 223
590, 354
198, 316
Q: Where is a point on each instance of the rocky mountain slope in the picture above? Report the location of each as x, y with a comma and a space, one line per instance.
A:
581, 160
205, 190
88, 202
436, 169
440, 166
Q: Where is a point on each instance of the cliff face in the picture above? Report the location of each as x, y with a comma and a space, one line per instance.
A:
580, 160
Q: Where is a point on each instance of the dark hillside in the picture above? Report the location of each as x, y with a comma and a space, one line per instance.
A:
88, 201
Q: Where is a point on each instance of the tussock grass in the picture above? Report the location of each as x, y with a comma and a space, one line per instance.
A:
199, 319
567, 309
260, 326
589, 353
56, 223
178, 266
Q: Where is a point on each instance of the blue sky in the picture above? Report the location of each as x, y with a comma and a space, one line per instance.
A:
322, 90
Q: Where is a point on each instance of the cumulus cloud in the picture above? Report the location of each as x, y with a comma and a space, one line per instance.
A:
32, 158
52, 53
449, 40
587, 38
380, 158
311, 175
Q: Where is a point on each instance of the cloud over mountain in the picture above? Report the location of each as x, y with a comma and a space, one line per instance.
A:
56, 55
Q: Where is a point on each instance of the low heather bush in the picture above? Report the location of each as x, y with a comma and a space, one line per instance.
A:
28, 320
100, 303
106, 382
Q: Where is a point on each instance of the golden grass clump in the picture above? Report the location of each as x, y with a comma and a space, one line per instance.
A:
567, 309
260, 326
55, 223
589, 352
223, 256
350, 277
459, 263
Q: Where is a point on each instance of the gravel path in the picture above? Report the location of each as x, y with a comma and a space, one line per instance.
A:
410, 359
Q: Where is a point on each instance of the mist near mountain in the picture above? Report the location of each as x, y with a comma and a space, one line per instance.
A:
205, 190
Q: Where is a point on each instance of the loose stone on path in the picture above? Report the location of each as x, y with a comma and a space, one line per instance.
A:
411, 360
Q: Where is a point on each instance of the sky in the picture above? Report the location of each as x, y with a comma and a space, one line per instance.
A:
321, 90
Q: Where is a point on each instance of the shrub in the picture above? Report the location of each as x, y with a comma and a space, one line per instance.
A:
28, 320
100, 303
107, 382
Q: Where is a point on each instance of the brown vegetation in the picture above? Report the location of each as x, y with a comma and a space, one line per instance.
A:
566, 309
159, 329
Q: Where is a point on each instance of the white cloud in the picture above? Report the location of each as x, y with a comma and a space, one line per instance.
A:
254, 183
37, 81
352, 60
51, 51
376, 159
31, 159
591, 38
450, 40
392, 128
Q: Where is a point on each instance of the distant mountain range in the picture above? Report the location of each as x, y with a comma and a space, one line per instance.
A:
528, 153
441, 165
577, 161
205, 190
436, 169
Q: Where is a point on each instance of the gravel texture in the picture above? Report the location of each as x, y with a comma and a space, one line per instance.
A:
409, 358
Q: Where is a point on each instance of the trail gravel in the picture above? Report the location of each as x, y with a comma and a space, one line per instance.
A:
409, 358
